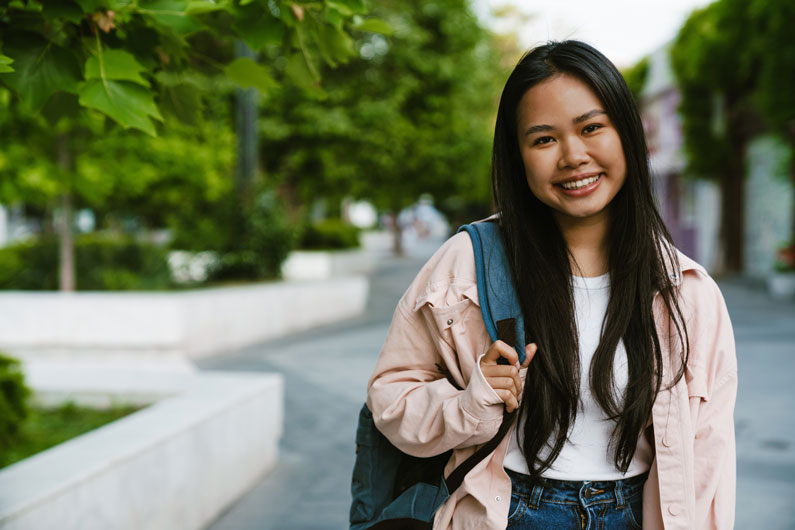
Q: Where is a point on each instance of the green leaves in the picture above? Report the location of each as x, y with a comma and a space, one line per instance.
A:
374, 25
41, 68
257, 27
335, 45
5, 64
130, 105
138, 39
300, 74
62, 9
200, 7
118, 65
248, 74
115, 87
173, 14
347, 7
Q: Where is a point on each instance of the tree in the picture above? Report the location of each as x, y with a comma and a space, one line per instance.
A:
732, 60
775, 83
635, 76
132, 61
412, 114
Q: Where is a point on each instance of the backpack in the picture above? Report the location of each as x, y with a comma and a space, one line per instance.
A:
393, 490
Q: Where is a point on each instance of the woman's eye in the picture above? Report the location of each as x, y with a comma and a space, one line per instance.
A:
543, 140
591, 128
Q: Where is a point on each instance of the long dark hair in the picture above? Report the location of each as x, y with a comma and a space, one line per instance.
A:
641, 259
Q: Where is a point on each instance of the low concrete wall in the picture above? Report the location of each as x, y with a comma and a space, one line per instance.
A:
175, 464
321, 264
170, 326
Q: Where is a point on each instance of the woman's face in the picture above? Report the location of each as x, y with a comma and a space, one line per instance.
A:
572, 154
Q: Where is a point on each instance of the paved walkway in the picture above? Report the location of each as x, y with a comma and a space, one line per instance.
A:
326, 371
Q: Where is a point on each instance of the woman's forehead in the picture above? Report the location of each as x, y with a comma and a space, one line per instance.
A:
562, 97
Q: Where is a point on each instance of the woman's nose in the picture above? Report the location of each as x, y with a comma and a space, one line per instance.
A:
573, 154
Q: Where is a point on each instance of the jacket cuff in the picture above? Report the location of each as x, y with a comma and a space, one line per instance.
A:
479, 400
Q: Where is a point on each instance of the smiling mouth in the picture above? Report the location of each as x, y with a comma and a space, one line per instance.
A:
579, 184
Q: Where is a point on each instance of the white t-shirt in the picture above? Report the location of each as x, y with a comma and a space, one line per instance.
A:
586, 456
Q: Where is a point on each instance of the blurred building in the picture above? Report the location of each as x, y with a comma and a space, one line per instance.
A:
691, 208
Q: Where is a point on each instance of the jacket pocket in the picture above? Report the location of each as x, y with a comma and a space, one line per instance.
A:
450, 319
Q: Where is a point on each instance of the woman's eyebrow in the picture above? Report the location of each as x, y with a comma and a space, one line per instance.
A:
579, 119
588, 115
538, 128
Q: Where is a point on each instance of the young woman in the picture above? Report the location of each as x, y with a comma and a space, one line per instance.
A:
627, 394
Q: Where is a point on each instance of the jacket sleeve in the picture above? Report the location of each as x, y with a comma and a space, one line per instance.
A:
413, 403
714, 444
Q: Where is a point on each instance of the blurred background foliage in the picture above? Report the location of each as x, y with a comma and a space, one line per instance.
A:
734, 63
128, 109
241, 127
411, 115
14, 410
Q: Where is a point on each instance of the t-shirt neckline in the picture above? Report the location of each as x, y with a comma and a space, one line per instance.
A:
595, 282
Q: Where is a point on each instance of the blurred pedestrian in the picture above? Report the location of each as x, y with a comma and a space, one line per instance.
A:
627, 393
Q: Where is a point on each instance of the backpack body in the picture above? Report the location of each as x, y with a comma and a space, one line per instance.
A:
391, 489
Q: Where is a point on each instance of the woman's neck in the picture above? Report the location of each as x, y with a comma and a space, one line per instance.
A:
587, 242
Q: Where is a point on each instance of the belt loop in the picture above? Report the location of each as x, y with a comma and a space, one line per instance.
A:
535, 496
619, 491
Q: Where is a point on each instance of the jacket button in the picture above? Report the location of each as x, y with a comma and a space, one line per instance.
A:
450, 322
498, 498
666, 441
674, 509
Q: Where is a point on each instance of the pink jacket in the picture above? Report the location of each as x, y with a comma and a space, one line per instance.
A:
437, 324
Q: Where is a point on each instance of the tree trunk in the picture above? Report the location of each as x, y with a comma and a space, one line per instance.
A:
733, 220
65, 239
397, 239
246, 129
733, 189
792, 184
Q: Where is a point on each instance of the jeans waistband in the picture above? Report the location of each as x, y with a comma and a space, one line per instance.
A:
582, 492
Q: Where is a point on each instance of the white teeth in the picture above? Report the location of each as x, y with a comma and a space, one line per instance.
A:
579, 184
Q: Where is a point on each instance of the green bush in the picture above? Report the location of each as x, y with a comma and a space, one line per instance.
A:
13, 403
260, 243
329, 234
102, 262
46, 427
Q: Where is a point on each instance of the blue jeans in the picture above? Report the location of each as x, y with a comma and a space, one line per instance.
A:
570, 505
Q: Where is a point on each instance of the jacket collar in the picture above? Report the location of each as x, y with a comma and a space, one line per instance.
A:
684, 264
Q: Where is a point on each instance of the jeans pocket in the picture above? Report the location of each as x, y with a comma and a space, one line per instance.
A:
518, 506
633, 510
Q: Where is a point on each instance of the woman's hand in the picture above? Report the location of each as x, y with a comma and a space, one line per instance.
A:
504, 378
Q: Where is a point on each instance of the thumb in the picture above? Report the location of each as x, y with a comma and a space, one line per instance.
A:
529, 352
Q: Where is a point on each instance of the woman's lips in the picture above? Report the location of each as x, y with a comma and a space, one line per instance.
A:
586, 190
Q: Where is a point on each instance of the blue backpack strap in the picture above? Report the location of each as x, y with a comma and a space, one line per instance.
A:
499, 305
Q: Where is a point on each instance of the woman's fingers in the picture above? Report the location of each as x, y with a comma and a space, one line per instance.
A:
500, 349
529, 352
504, 378
506, 383
502, 370
511, 403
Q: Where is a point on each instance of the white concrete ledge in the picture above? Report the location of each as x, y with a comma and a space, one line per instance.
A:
170, 326
321, 264
175, 464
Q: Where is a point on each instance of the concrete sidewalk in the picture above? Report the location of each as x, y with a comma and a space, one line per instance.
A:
326, 371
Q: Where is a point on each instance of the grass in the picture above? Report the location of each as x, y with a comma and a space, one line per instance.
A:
44, 428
